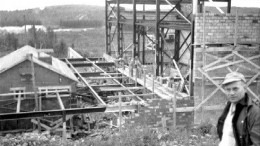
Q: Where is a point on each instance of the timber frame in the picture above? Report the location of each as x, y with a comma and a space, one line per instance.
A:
176, 19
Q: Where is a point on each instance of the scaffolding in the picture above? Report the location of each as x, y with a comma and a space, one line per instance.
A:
159, 22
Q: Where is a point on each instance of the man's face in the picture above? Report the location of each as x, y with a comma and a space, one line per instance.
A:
235, 91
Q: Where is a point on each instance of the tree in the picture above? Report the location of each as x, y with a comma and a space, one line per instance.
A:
61, 49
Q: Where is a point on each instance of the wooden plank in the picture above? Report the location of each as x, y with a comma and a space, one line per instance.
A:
120, 89
60, 101
230, 63
179, 72
102, 78
132, 95
227, 49
30, 93
217, 61
211, 94
111, 85
107, 73
120, 112
238, 65
42, 125
214, 107
124, 108
184, 109
247, 60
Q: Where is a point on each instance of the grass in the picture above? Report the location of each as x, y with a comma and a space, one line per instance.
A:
138, 135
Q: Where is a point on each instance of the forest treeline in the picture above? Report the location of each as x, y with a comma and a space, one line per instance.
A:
35, 38
69, 16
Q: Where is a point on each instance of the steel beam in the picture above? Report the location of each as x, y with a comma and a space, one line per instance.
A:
53, 113
93, 74
87, 64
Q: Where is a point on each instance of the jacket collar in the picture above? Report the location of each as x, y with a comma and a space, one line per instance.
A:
245, 101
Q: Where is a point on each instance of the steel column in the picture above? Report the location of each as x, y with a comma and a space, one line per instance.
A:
119, 48
161, 50
138, 41
157, 35
194, 12
143, 34
106, 26
134, 29
229, 6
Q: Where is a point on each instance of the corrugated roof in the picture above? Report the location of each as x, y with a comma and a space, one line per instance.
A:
20, 55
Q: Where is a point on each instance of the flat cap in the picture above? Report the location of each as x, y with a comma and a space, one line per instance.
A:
232, 77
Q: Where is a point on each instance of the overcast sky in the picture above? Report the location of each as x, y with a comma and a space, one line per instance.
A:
26, 4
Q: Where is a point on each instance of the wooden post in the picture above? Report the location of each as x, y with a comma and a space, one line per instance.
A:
203, 64
153, 77
136, 72
258, 87
120, 112
18, 104
144, 69
174, 106
35, 91
64, 134
236, 24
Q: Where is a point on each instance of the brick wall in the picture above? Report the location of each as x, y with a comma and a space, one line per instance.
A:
159, 113
220, 28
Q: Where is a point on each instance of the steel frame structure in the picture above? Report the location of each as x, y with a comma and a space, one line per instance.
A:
114, 16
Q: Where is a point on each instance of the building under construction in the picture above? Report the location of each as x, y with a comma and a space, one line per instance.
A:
184, 53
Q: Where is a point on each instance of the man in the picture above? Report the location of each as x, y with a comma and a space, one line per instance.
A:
239, 124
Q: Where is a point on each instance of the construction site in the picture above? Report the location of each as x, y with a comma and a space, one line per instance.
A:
163, 67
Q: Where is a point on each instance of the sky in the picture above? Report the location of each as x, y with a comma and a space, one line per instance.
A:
27, 4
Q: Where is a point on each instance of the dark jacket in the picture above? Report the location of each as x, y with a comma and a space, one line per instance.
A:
246, 122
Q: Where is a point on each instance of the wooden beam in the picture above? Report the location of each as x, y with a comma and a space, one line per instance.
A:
231, 63
18, 104
184, 109
112, 85
30, 93
92, 74
88, 64
211, 94
102, 78
60, 101
227, 49
86, 83
42, 125
35, 90
132, 95
123, 108
247, 60
120, 89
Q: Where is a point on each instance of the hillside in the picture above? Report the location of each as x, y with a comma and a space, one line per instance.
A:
53, 16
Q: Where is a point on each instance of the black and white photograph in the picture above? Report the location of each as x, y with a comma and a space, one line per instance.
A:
130, 73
